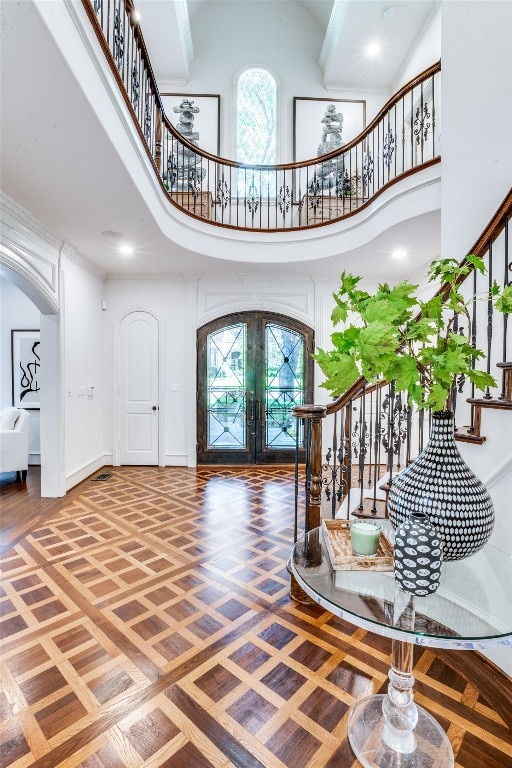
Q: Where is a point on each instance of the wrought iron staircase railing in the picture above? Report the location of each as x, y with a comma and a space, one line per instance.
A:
358, 442
401, 140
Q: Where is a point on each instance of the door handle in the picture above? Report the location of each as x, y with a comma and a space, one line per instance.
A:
155, 408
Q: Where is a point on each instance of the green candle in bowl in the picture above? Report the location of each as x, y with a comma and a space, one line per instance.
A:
365, 537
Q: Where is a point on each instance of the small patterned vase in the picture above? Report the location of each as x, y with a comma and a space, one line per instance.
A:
440, 485
418, 556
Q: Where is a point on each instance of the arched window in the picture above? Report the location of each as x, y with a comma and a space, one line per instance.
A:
256, 107
256, 133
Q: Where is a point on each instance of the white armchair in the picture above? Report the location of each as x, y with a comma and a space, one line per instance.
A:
14, 436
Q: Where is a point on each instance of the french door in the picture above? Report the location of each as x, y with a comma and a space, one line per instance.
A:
252, 369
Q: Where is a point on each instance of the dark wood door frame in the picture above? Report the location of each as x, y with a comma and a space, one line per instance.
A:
255, 452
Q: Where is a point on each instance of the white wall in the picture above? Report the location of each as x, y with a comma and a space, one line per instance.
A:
167, 299
426, 51
182, 307
82, 293
476, 114
16, 312
285, 38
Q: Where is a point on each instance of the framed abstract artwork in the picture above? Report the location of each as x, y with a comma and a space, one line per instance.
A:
26, 368
206, 120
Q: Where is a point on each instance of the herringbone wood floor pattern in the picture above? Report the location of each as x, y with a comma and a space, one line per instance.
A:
146, 622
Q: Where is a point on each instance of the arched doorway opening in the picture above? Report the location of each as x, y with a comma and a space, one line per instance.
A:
50, 428
252, 369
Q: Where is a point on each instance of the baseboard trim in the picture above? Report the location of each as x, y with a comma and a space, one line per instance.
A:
498, 474
83, 472
175, 460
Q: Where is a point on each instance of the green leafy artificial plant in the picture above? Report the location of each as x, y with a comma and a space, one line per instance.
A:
399, 337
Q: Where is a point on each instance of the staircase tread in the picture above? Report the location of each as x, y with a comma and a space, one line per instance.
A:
491, 402
380, 505
463, 435
504, 364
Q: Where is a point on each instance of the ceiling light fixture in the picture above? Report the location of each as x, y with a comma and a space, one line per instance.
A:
399, 254
372, 50
126, 250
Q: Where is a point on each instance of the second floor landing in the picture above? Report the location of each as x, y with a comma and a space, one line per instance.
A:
71, 156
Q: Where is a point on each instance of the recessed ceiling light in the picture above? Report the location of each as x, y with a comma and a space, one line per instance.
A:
399, 254
372, 49
126, 250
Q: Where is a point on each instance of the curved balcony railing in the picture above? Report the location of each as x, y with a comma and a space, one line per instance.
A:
402, 139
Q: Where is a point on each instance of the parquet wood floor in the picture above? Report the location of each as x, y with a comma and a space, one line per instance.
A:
146, 623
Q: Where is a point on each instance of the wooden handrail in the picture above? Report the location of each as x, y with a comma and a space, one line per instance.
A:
413, 83
495, 226
357, 387
108, 55
491, 232
130, 10
409, 86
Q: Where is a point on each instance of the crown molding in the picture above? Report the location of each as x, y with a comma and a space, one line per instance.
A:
232, 278
355, 91
74, 255
149, 277
166, 83
257, 279
31, 227
27, 222
326, 280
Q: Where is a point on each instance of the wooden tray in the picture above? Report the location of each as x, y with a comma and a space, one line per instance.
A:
339, 547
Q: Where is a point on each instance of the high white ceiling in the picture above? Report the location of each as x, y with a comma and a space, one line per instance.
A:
319, 9
58, 160
348, 27
394, 26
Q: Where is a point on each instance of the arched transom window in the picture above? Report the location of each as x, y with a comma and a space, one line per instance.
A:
256, 107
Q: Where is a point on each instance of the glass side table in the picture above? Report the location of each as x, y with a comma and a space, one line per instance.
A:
472, 609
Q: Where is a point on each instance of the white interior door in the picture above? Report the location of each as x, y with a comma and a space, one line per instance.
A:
138, 389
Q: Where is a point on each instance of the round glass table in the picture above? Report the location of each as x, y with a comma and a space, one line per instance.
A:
472, 609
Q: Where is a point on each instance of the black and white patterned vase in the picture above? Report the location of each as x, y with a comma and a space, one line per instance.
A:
440, 485
418, 555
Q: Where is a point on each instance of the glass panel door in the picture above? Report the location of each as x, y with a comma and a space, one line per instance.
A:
226, 401
253, 368
284, 385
